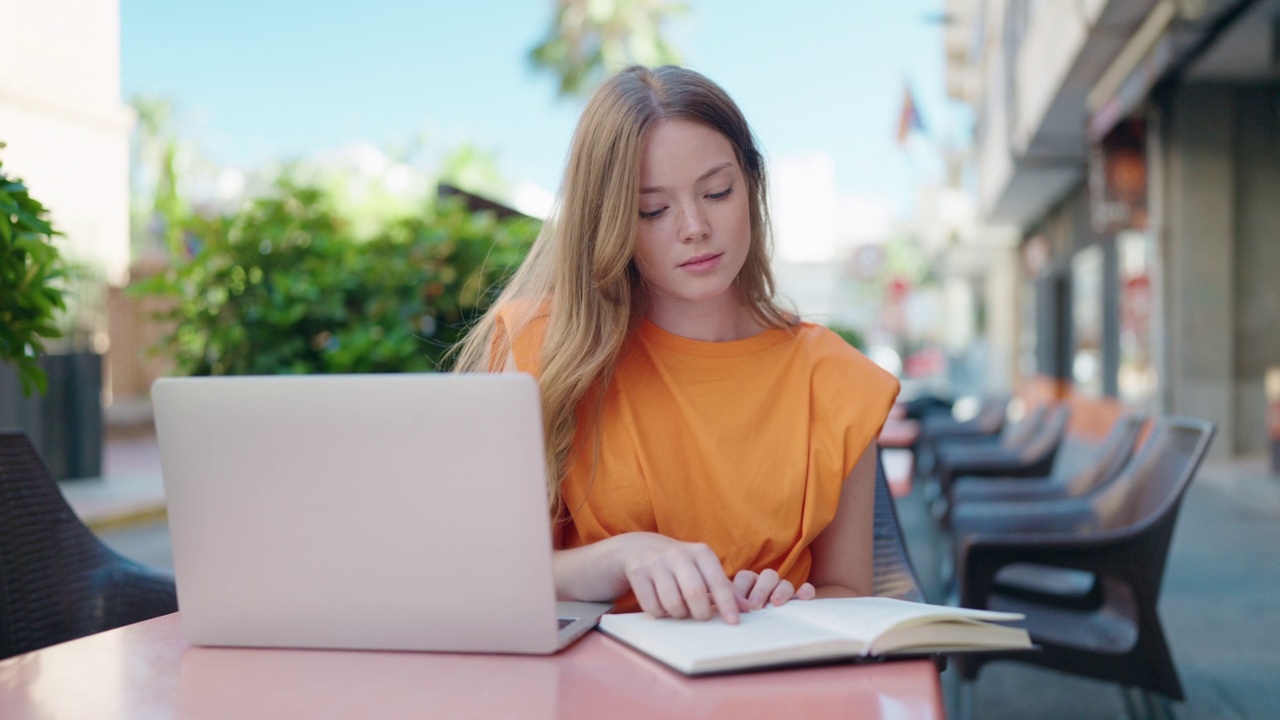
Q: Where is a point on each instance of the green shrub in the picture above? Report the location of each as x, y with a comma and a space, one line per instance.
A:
31, 282
284, 287
849, 335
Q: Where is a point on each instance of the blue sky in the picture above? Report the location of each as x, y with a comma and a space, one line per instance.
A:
256, 81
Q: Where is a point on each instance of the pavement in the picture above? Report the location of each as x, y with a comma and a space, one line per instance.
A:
125, 506
1220, 603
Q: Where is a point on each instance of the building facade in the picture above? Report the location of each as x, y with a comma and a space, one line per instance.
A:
64, 125
1133, 149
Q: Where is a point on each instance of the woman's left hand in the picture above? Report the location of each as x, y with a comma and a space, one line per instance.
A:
767, 587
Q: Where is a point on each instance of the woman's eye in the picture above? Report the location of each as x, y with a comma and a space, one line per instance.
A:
722, 194
651, 214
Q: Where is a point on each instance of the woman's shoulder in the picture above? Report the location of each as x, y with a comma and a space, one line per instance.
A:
836, 361
518, 312
521, 324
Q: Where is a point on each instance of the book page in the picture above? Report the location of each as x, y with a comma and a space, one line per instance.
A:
762, 637
950, 636
867, 618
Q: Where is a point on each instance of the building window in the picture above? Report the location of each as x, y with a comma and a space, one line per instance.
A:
1086, 321
1136, 374
1036, 256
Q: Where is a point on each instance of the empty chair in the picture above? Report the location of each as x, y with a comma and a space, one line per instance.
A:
986, 422
927, 405
57, 580
1104, 465
937, 428
1121, 535
1031, 457
1012, 436
984, 505
893, 574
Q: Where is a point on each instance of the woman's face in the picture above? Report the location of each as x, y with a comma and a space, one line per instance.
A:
694, 228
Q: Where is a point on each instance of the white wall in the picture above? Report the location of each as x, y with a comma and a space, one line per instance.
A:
65, 127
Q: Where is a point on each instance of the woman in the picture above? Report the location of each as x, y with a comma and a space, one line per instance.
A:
707, 452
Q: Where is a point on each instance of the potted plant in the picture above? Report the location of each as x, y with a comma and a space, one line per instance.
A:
31, 270
63, 418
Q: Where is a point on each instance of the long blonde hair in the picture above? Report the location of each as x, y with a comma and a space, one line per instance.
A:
581, 262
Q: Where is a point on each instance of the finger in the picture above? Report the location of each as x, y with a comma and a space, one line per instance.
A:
742, 584
781, 594
717, 584
647, 597
694, 590
806, 592
744, 581
765, 585
669, 595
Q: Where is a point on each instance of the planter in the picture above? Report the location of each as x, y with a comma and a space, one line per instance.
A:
65, 424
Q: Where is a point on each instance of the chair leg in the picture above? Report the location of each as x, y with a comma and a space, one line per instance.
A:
1132, 709
1158, 706
947, 580
1142, 704
964, 699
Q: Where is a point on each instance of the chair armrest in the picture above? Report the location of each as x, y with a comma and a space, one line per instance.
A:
992, 463
1068, 517
1120, 554
1007, 488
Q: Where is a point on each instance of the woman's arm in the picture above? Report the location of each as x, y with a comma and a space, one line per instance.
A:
842, 553
669, 577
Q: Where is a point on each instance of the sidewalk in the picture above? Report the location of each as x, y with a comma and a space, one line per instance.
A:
130, 493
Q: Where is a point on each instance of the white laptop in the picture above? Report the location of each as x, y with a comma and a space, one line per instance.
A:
381, 512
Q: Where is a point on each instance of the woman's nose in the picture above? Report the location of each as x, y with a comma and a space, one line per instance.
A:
693, 224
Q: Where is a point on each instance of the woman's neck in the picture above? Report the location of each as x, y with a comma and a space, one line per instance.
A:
723, 319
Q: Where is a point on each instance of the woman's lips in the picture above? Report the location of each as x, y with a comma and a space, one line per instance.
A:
702, 263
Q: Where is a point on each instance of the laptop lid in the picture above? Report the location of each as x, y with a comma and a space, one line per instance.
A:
388, 512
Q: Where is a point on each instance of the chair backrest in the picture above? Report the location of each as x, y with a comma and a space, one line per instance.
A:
991, 413
893, 574
1042, 444
1154, 480
57, 580
1110, 458
1020, 433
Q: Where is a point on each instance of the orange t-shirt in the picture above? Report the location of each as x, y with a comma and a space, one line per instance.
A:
741, 445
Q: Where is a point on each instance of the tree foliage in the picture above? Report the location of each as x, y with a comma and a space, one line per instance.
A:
282, 286
590, 38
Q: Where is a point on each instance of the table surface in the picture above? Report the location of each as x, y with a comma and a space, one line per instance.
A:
148, 670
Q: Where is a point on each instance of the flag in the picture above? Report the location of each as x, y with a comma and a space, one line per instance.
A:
909, 119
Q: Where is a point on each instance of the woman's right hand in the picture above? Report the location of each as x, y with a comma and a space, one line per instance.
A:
671, 578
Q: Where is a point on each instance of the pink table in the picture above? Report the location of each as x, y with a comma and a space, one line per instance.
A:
148, 671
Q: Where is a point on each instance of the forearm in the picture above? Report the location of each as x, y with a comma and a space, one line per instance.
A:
838, 591
592, 573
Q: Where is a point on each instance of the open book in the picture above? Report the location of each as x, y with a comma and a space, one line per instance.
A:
815, 630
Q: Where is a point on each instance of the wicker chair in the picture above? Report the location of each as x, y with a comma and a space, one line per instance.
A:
1103, 466
1121, 535
1028, 453
893, 574
59, 582
938, 429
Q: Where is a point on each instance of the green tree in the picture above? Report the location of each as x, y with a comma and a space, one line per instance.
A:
590, 38
158, 207
283, 286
